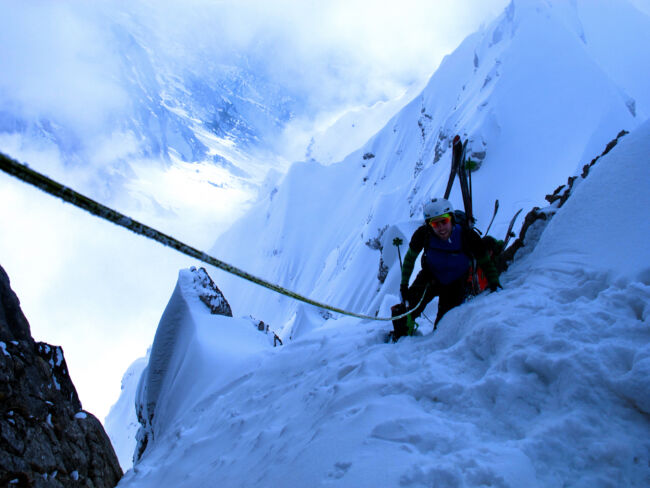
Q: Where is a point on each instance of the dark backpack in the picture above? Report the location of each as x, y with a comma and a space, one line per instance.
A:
477, 282
460, 217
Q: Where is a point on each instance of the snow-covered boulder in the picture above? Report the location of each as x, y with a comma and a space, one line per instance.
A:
197, 347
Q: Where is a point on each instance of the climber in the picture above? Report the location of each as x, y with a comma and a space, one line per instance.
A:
448, 251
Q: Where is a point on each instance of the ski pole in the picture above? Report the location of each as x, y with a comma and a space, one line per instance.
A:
411, 324
397, 242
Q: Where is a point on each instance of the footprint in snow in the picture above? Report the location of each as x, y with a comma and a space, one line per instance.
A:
340, 469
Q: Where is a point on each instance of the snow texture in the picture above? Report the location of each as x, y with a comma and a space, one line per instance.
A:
122, 422
545, 383
535, 105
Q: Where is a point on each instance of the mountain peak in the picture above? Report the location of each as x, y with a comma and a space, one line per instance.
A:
535, 106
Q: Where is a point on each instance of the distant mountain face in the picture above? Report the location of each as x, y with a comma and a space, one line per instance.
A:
535, 95
232, 102
156, 105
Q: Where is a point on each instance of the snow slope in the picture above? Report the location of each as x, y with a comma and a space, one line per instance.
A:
122, 417
536, 102
545, 383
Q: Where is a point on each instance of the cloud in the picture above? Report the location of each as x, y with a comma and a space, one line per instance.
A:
75, 63
85, 284
57, 64
332, 53
332, 57
99, 290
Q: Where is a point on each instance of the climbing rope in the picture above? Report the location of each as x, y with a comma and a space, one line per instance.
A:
28, 175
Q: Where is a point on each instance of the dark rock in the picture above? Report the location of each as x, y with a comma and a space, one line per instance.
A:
209, 293
442, 144
567, 193
375, 242
502, 260
13, 324
613, 142
383, 271
46, 439
266, 329
555, 195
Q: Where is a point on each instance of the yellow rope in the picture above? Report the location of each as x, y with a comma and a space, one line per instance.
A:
28, 175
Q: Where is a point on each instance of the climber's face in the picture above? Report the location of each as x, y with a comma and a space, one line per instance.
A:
441, 226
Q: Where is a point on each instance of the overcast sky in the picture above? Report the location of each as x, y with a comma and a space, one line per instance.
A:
59, 58
95, 289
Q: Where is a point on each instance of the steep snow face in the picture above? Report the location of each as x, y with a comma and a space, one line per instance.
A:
121, 423
534, 103
602, 216
620, 53
545, 383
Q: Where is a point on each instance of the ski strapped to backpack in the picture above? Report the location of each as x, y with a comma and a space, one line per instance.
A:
459, 167
466, 218
496, 209
455, 164
28, 175
464, 185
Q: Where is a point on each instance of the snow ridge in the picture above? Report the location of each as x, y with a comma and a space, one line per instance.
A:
544, 383
535, 105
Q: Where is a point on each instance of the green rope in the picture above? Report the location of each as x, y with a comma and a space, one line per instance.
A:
28, 175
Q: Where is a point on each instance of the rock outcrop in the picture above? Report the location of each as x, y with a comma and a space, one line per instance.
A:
46, 439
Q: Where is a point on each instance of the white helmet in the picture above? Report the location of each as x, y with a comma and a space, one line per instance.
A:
437, 207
